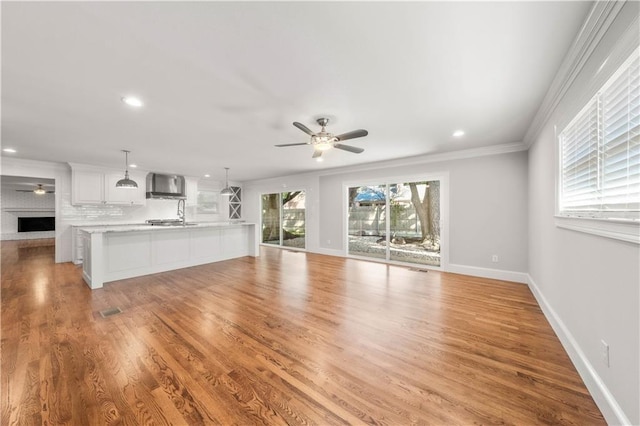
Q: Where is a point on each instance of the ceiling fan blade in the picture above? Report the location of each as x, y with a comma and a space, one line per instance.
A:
292, 144
349, 148
303, 128
352, 135
317, 153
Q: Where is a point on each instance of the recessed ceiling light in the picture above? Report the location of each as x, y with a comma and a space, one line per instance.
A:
319, 159
132, 101
458, 133
133, 166
10, 150
207, 175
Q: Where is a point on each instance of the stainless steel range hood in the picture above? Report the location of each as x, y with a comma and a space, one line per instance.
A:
167, 187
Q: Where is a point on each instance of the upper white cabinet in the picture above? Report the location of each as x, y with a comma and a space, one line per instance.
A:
87, 187
92, 185
191, 190
115, 195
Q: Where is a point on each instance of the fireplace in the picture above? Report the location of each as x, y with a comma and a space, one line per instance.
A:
36, 224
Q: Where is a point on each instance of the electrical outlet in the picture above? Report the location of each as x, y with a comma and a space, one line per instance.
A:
494, 258
605, 352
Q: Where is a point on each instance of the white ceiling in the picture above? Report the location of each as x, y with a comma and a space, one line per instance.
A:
222, 82
10, 183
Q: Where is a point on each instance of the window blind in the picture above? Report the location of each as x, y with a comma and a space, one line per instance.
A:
580, 159
600, 148
621, 138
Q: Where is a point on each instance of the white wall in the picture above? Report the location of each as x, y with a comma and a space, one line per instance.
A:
488, 207
589, 286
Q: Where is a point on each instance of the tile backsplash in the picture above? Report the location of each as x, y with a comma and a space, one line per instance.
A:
154, 209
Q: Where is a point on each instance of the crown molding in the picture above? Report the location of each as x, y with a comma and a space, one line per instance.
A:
432, 158
600, 18
398, 162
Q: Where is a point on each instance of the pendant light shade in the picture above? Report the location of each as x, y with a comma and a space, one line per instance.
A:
226, 190
126, 182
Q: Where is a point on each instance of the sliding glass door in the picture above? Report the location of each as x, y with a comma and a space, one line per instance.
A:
368, 221
397, 221
271, 219
283, 219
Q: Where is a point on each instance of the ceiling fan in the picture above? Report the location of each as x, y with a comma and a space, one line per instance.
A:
39, 190
324, 140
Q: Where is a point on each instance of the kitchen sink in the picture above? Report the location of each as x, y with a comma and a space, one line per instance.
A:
169, 222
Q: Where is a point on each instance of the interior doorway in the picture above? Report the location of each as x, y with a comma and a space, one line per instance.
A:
28, 215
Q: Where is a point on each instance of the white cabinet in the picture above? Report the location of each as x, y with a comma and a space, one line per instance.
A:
116, 255
127, 196
191, 184
87, 273
77, 245
98, 186
87, 187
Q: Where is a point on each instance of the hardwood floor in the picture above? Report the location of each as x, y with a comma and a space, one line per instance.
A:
286, 338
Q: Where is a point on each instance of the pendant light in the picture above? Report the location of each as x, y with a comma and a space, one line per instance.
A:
226, 190
126, 182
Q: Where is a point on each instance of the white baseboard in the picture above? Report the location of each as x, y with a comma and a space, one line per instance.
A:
611, 410
496, 274
328, 252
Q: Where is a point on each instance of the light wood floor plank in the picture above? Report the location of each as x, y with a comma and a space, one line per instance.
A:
285, 338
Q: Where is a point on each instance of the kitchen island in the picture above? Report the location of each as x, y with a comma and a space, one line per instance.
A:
117, 252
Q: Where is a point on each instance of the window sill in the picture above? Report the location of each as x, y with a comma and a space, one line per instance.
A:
617, 229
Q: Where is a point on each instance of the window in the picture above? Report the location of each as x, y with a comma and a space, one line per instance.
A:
600, 151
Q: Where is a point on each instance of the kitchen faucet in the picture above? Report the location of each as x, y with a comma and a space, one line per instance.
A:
181, 212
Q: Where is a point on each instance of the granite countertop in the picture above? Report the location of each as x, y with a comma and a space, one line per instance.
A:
146, 227
94, 224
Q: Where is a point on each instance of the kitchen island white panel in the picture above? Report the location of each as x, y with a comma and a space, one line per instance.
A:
173, 247
115, 253
232, 242
126, 252
206, 244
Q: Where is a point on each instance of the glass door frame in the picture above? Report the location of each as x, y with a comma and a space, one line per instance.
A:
281, 212
443, 177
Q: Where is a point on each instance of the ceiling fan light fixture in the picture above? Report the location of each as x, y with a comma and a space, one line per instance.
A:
323, 140
226, 191
126, 182
323, 146
39, 190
